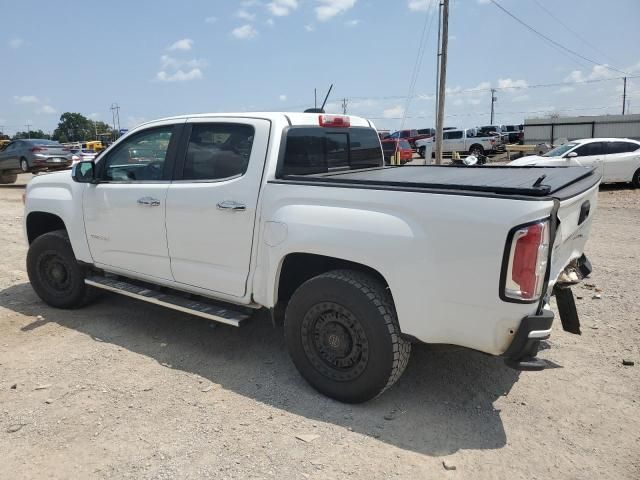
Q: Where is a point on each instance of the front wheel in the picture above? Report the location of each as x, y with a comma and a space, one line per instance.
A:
343, 336
636, 179
476, 150
24, 165
54, 272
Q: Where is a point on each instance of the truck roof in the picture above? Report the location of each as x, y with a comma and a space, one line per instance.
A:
293, 118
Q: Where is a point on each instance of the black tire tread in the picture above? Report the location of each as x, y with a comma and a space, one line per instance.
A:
381, 298
635, 180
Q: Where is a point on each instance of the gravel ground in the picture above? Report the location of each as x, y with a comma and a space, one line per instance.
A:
122, 389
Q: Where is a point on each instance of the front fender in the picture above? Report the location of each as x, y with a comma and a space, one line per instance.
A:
57, 194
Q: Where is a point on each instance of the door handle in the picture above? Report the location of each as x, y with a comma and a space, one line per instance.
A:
149, 201
231, 205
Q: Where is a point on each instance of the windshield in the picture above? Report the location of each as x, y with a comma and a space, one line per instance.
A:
559, 151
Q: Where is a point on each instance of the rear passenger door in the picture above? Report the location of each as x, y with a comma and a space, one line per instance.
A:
211, 204
623, 159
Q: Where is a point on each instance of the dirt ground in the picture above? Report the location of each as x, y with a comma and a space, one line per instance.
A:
122, 389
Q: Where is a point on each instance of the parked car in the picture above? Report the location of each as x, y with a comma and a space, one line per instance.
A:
81, 155
392, 146
410, 136
464, 141
32, 155
515, 133
498, 130
296, 214
427, 131
617, 159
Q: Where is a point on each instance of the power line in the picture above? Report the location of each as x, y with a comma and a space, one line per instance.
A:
550, 40
570, 30
424, 36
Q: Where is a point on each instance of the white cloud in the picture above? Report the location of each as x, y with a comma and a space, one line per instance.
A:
330, 8
509, 83
393, 112
185, 44
598, 72
282, 8
419, 5
46, 110
270, 22
244, 32
521, 98
309, 28
283, 98
179, 75
211, 20
352, 23
94, 115
16, 43
244, 15
484, 2
169, 62
26, 99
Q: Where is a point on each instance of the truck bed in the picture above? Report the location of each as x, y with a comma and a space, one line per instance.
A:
536, 182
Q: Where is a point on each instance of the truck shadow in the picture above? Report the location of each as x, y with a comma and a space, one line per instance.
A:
442, 404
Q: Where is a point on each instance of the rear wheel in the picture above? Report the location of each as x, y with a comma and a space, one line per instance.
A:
54, 272
636, 179
24, 165
6, 178
422, 151
343, 336
476, 150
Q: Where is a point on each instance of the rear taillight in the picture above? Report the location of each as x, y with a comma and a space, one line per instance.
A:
37, 149
334, 121
527, 262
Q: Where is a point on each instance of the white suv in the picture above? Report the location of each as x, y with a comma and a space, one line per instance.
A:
618, 159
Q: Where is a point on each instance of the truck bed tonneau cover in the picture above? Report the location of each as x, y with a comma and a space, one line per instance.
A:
505, 180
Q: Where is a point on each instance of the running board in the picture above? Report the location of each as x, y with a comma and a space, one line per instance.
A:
200, 308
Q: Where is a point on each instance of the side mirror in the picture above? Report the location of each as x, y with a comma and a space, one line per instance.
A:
571, 155
84, 172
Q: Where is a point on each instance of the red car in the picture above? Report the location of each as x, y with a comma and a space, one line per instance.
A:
410, 136
391, 145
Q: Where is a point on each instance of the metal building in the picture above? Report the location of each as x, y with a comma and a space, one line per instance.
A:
550, 130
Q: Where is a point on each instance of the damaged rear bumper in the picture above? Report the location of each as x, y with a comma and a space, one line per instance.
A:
522, 352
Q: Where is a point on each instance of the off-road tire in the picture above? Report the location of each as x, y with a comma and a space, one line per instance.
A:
7, 178
636, 179
364, 305
55, 274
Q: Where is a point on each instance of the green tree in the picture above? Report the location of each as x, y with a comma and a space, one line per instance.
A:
73, 127
31, 134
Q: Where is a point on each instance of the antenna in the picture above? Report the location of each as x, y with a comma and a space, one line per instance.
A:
327, 97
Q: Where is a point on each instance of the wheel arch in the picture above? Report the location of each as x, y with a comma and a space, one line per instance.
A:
39, 223
298, 267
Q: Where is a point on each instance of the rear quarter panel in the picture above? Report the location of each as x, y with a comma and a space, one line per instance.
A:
440, 254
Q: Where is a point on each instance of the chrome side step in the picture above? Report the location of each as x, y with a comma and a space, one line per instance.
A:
140, 291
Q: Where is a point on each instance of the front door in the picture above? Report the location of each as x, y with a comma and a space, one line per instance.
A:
590, 154
125, 211
211, 206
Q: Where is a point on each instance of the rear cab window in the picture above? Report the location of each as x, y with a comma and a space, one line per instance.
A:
317, 150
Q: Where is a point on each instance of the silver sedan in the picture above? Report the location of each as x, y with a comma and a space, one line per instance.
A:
32, 155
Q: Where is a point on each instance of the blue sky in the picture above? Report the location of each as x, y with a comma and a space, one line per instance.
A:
160, 58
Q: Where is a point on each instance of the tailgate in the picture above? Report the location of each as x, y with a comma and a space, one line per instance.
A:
575, 216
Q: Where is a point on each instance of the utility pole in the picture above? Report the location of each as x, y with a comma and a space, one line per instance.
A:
345, 102
624, 95
442, 82
115, 116
28, 125
493, 100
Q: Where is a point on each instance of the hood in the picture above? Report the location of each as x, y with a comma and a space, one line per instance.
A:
528, 160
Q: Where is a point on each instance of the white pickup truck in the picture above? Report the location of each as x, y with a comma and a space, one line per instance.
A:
463, 141
218, 215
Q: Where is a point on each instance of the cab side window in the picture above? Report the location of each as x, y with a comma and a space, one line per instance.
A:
218, 151
590, 149
139, 158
